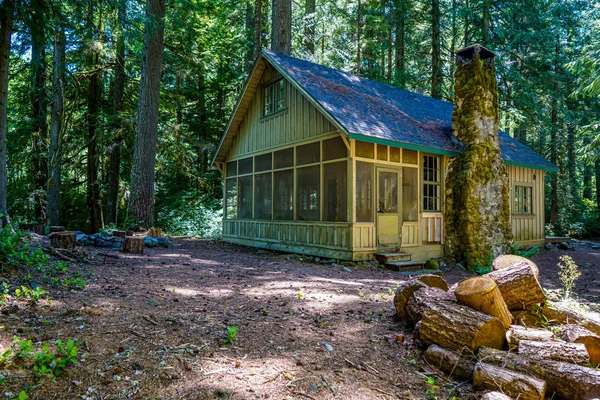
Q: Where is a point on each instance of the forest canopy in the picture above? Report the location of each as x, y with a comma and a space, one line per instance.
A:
89, 55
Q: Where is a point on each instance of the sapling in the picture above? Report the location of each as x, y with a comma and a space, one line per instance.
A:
568, 272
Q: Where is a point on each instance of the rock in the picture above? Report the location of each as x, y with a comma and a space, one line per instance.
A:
548, 246
99, 242
108, 244
596, 246
345, 269
563, 246
162, 242
327, 346
348, 264
150, 241
80, 238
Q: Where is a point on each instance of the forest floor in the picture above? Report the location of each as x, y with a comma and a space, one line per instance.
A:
155, 326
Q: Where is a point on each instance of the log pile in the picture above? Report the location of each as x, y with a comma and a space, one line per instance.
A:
493, 330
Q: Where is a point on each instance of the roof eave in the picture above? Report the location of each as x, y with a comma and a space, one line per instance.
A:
387, 142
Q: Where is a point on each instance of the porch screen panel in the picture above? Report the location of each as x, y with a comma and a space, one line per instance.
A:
410, 191
245, 197
364, 192
283, 158
283, 195
262, 196
231, 193
388, 192
334, 148
307, 192
308, 153
334, 196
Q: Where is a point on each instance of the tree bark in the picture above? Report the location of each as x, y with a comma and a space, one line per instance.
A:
39, 135
141, 204
597, 173
588, 174
281, 26
452, 364
481, 294
56, 122
133, 245
6, 22
562, 315
571, 163
519, 287
114, 157
554, 141
457, 327
514, 384
563, 380
309, 26
574, 353
403, 293
516, 333
400, 45
423, 299
495, 396
63, 240
436, 55
258, 16
508, 260
485, 22
433, 280
358, 36
202, 133
577, 334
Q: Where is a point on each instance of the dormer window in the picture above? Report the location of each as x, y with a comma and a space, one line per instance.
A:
274, 100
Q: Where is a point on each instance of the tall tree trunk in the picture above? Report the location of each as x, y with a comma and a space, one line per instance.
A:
258, 14
141, 204
554, 141
6, 22
114, 158
202, 136
571, 162
597, 171
56, 122
453, 38
93, 103
400, 24
358, 38
485, 22
309, 25
281, 26
466, 29
39, 135
588, 173
390, 47
249, 27
436, 55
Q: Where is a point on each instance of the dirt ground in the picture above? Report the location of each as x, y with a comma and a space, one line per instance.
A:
154, 327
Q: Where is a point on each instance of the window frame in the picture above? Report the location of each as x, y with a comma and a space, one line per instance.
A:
271, 109
515, 202
426, 183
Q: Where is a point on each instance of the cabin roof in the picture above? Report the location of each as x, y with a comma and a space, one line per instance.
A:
372, 111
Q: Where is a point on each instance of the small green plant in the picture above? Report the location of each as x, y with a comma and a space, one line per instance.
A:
568, 272
5, 356
300, 294
48, 361
33, 295
231, 334
362, 294
433, 388
22, 396
527, 253
74, 283
4, 292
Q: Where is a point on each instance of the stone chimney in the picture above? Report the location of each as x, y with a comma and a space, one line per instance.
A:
477, 213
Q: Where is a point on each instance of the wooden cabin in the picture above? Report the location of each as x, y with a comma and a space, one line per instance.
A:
320, 162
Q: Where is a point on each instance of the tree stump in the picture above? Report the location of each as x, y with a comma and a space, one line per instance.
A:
133, 245
564, 380
424, 298
451, 363
403, 293
120, 234
516, 333
129, 233
481, 294
578, 334
514, 384
433, 280
155, 232
35, 228
519, 287
574, 353
456, 326
54, 229
63, 240
508, 260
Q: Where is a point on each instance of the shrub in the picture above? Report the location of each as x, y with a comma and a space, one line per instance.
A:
15, 252
568, 272
193, 215
432, 264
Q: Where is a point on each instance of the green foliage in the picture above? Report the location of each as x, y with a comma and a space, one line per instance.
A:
47, 361
432, 264
33, 295
15, 252
231, 334
74, 283
568, 272
193, 216
527, 253
22, 396
433, 388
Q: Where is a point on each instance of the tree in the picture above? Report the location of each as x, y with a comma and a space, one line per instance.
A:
309, 26
141, 206
56, 123
6, 22
281, 26
436, 56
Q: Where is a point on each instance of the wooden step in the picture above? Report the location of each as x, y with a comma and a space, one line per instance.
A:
392, 256
404, 265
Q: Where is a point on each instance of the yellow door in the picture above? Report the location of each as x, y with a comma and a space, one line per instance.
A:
388, 216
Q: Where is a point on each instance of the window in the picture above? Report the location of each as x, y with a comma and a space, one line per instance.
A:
308, 153
308, 185
364, 192
284, 158
263, 163
283, 195
231, 198
410, 200
431, 183
245, 197
388, 192
262, 196
274, 100
523, 199
245, 166
334, 195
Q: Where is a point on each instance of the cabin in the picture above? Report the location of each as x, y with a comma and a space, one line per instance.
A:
320, 162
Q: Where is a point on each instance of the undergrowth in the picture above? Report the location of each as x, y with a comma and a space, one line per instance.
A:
193, 215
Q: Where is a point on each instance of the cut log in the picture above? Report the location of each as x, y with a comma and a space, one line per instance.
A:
514, 384
63, 240
433, 280
574, 353
424, 298
54, 229
452, 364
403, 293
155, 232
481, 294
508, 260
578, 334
519, 287
133, 245
526, 318
516, 333
121, 234
564, 380
495, 396
560, 314
456, 326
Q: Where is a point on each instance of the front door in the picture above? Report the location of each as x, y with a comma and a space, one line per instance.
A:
388, 210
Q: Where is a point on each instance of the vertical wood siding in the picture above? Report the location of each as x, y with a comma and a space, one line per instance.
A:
527, 227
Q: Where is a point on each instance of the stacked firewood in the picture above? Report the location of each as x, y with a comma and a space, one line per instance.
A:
486, 329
